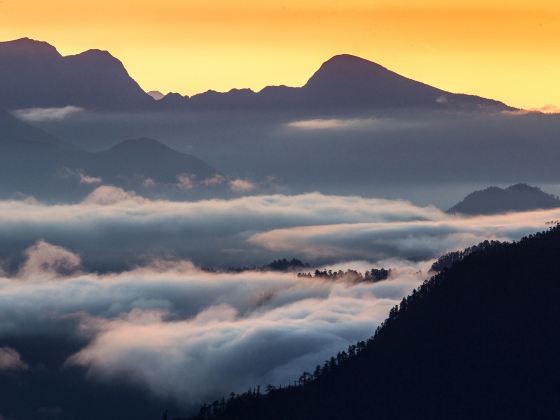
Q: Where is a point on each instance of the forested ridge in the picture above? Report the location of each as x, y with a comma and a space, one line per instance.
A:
479, 340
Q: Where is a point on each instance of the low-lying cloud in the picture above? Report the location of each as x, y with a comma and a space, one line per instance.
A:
242, 185
10, 360
116, 229
348, 124
190, 334
47, 114
119, 274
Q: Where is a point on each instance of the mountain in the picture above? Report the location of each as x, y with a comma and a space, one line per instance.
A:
347, 82
35, 74
149, 158
13, 130
477, 341
32, 162
28, 155
493, 200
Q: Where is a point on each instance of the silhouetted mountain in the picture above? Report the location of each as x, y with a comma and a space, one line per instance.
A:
34, 74
13, 131
493, 200
30, 156
148, 158
347, 82
477, 341
33, 162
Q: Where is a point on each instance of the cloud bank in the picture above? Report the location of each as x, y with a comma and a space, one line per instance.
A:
189, 334
114, 229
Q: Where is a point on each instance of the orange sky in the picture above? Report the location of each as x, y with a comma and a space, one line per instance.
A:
507, 50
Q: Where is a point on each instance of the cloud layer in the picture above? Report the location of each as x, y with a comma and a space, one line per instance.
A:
115, 229
187, 333
114, 273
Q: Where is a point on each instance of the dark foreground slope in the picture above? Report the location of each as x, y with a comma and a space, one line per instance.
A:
477, 341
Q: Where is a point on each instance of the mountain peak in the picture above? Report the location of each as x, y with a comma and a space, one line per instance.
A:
27, 47
98, 57
34, 74
346, 80
350, 60
347, 69
144, 143
524, 188
518, 197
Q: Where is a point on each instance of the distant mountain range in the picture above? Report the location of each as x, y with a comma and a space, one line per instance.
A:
493, 200
35, 74
33, 162
477, 341
344, 82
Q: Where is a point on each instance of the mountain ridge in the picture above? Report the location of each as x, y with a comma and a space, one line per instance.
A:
34, 74
33, 162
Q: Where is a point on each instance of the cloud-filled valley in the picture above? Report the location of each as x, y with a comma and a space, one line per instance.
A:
185, 333
119, 276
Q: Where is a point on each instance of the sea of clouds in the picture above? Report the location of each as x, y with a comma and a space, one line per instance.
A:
123, 275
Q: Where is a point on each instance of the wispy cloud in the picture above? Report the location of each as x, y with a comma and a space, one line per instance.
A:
47, 114
186, 181
332, 123
215, 180
242, 185
10, 360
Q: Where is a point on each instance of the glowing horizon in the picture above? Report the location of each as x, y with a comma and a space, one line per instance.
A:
496, 49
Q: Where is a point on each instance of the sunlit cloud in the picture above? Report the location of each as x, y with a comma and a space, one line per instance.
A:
242, 185
418, 239
10, 360
332, 124
107, 195
215, 180
547, 109
358, 124
185, 181
90, 180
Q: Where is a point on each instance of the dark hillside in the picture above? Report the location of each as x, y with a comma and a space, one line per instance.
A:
477, 341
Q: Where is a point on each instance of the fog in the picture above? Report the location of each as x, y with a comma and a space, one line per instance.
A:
427, 157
